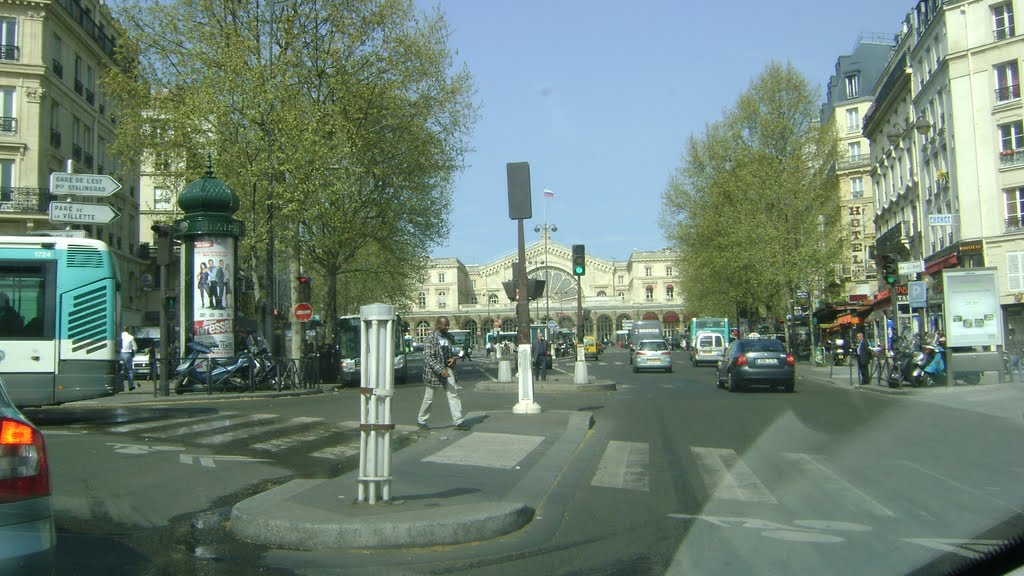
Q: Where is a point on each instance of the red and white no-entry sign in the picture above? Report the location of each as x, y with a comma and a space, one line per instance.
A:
303, 312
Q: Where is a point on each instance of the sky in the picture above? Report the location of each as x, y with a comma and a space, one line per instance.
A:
601, 96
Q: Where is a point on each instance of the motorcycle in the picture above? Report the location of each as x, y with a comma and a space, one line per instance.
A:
188, 377
839, 353
907, 365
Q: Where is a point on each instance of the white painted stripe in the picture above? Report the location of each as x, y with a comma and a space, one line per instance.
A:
493, 450
726, 476
262, 429
206, 426
162, 423
838, 489
278, 444
339, 452
624, 465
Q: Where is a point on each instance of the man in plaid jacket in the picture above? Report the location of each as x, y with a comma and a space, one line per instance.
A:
439, 372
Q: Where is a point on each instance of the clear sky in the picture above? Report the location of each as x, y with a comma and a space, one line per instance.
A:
600, 97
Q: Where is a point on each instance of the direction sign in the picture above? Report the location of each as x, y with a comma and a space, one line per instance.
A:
83, 184
911, 267
303, 312
552, 325
79, 213
940, 219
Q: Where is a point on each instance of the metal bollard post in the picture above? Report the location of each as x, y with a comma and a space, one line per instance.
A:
377, 385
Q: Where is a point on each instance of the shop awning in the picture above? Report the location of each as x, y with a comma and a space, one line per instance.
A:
944, 262
848, 319
671, 317
650, 316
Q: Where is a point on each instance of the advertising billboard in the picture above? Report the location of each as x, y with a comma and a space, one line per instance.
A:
213, 310
972, 313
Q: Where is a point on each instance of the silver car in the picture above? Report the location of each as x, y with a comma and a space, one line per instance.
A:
652, 355
27, 535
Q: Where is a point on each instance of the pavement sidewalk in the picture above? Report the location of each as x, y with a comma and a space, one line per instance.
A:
146, 393
991, 396
451, 487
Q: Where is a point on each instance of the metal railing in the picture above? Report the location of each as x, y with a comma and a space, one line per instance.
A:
8, 125
1008, 158
23, 199
9, 52
1006, 93
275, 374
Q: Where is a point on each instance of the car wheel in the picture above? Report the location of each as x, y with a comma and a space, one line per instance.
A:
733, 386
718, 379
789, 386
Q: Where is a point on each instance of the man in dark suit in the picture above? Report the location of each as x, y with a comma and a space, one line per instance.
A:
863, 352
541, 351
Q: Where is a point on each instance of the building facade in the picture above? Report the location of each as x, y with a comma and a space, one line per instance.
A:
55, 116
948, 151
473, 297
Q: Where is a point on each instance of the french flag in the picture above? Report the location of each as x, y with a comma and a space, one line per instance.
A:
548, 193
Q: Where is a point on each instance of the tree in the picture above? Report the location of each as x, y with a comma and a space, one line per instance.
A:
340, 124
753, 211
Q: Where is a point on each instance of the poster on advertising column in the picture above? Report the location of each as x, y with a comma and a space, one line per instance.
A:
972, 313
213, 310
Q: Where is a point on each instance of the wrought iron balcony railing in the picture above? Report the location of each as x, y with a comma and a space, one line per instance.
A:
8, 125
1009, 158
1014, 224
1007, 93
9, 52
76, 152
20, 199
58, 68
55, 138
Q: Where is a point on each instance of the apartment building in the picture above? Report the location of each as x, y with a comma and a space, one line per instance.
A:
54, 116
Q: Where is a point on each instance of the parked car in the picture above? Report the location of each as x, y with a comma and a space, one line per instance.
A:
27, 535
708, 348
652, 355
756, 361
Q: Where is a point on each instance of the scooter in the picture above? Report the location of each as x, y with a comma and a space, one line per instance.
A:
839, 353
188, 377
907, 365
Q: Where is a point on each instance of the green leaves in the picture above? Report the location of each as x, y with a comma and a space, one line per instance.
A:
753, 210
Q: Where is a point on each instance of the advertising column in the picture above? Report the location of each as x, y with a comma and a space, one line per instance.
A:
213, 313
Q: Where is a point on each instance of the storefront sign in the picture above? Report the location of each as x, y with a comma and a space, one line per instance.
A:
972, 313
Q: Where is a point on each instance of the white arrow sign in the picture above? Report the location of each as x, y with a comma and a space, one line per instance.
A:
83, 184
78, 213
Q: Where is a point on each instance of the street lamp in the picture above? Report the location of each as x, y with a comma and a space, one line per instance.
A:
547, 272
921, 124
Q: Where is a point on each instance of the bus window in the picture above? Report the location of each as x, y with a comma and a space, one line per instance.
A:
23, 302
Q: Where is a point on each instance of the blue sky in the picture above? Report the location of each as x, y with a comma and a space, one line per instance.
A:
601, 96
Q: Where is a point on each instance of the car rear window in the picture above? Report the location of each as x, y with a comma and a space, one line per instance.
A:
652, 345
707, 341
763, 346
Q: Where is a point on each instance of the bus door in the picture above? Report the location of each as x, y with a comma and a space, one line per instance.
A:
28, 317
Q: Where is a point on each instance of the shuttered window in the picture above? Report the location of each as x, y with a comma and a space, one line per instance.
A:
1015, 271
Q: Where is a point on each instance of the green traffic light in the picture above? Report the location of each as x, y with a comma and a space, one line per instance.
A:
578, 270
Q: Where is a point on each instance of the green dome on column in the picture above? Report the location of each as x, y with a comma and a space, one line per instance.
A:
208, 195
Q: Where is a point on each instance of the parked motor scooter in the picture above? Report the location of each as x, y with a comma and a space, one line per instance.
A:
188, 377
839, 352
907, 365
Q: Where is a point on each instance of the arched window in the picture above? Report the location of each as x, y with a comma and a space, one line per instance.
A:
422, 330
670, 292
649, 293
493, 298
442, 299
601, 293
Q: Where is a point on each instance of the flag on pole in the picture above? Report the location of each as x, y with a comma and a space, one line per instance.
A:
548, 193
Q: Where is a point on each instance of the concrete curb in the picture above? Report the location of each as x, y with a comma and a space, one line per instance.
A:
594, 386
271, 519
873, 387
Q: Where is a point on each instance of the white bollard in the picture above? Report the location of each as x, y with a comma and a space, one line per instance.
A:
377, 386
526, 404
580, 376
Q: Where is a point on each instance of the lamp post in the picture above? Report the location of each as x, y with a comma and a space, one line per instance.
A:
547, 229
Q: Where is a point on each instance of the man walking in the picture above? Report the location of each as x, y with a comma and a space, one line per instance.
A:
128, 349
541, 351
439, 372
863, 352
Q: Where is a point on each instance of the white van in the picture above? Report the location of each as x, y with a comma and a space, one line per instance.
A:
708, 348
145, 338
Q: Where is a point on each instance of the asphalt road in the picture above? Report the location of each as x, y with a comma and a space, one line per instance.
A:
824, 480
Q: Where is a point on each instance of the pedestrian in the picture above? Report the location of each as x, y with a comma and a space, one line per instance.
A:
128, 349
541, 352
153, 371
863, 352
439, 372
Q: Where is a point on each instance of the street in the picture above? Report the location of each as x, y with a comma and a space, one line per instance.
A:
676, 476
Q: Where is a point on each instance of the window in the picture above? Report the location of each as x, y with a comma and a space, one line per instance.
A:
854, 150
472, 299
8, 125
440, 277
1007, 82
58, 56
1011, 143
648, 270
856, 187
621, 279
622, 294
1003, 21
162, 199
8, 38
6, 180
1014, 207
493, 298
442, 299
25, 289
668, 270
853, 120
421, 300
852, 85
55, 125
1015, 271
670, 292
648, 292
78, 75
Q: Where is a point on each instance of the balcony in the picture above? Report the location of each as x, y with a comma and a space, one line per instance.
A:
25, 200
8, 125
1011, 158
1002, 33
1014, 224
76, 152
856, 161
9, 52
55, 139
1007, 93
58, 68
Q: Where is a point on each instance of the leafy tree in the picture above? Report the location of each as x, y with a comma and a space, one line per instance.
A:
753, 211
339, 123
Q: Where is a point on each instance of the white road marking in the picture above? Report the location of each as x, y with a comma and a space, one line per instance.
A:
624, 465
141, 448
339, 452
209, 460
973, 549
221, 423
839, 489
162, 423
726, 476
230, 436
487, 449
278, 444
